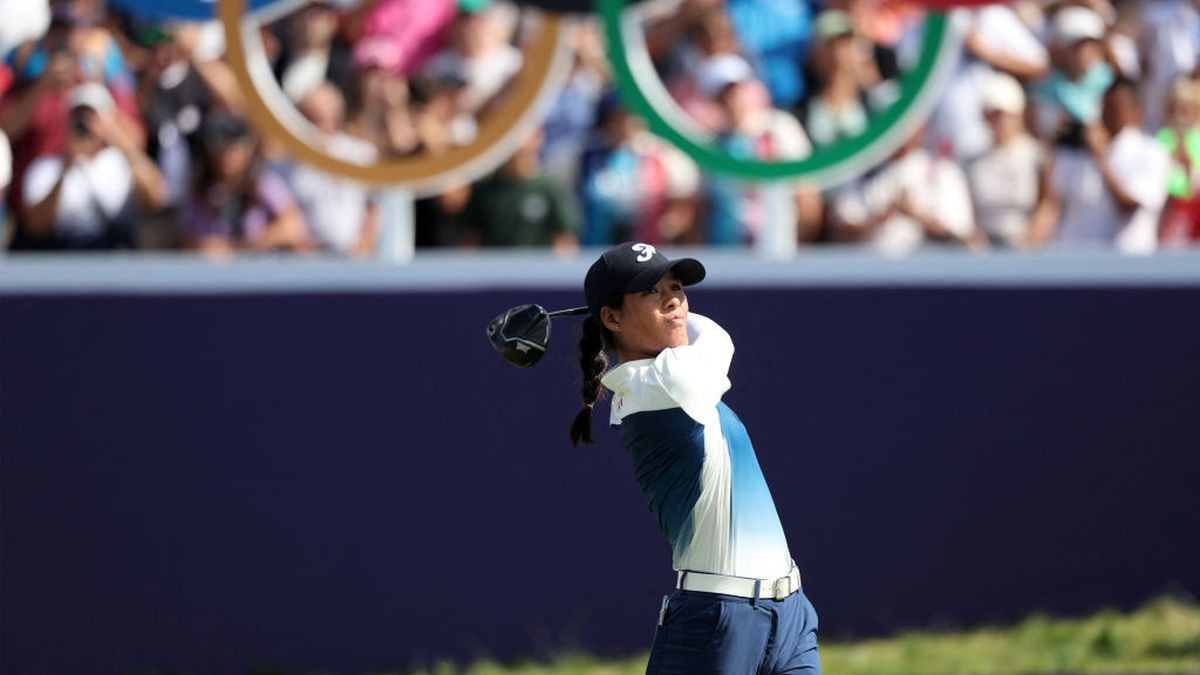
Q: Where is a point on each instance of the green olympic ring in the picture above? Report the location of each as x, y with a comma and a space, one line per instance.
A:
646, 97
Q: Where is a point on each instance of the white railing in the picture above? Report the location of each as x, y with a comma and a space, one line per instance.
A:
158, 273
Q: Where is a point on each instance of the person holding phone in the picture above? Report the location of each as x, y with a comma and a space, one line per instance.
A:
1112, 192
75, 49
83, 198
1069, 98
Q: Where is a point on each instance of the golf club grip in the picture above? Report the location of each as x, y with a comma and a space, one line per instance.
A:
574, 311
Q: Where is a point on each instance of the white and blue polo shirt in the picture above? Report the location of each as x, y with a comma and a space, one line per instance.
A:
693, 459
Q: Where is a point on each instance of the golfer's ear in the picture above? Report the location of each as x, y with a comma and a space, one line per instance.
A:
610, 319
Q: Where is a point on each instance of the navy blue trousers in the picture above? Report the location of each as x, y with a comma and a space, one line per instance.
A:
711, 634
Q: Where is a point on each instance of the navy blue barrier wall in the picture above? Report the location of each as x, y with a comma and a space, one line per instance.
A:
351, 482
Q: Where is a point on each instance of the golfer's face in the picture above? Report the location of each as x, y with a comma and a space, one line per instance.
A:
656, 319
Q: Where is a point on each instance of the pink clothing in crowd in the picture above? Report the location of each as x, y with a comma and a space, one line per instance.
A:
402, 35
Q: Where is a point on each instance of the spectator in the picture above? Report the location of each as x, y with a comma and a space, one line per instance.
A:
1069, 98
202, 46
237, 204
521, 206
573, 114
34, 112
314, 53
914, 198
711, 36
884, 22
880, 27
82, 198
839, 106
341, 213
737, 213
1181, 139
434, 102
402, 35
1170, 43
424, 71
775, 35
379, 109
89, 39
996, 41
1004, 179
437, 219
633, 186
1113, 191
176, 91
480, 52
1125, 28
439, 117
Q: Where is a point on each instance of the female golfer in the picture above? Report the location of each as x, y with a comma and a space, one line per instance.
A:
738, 607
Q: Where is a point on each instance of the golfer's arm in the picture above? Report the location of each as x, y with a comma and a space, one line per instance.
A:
696, 375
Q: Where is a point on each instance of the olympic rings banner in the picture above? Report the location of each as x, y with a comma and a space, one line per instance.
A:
548, 62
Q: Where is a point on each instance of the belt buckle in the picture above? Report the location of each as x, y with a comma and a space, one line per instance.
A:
779, 584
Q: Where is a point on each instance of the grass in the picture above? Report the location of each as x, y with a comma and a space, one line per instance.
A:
1160, 638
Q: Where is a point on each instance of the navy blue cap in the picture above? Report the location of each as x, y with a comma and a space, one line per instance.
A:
632, 268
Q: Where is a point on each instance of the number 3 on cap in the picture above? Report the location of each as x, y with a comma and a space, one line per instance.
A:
646, 251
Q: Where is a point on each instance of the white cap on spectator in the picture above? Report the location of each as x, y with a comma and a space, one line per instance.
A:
1073, 24
1003, 93
833, 23
92, 95
720, 71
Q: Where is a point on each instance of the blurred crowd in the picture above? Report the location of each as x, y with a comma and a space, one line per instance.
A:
1073, 122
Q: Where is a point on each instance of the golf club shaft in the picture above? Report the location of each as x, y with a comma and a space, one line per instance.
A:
575, 311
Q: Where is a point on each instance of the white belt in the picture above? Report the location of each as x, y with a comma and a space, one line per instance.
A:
742, 587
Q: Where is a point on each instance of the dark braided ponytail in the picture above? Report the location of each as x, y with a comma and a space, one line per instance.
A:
593, 362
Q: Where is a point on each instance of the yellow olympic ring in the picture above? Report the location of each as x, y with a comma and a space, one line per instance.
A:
547, 63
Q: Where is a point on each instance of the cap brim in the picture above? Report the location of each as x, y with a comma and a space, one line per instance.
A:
689, 271
1072, 40
835, 34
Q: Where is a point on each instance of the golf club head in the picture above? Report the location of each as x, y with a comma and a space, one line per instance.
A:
521, 335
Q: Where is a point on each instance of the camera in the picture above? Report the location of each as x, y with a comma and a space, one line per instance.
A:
79, 127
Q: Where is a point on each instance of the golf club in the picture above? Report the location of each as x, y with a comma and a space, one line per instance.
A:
522, 334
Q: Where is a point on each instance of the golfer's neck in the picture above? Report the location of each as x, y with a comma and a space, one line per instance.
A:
627, 356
